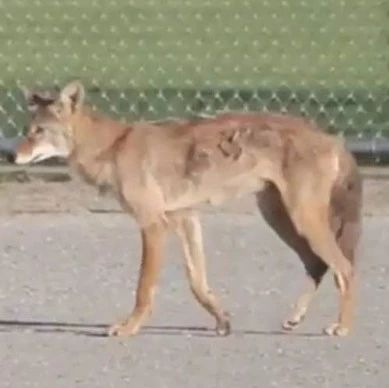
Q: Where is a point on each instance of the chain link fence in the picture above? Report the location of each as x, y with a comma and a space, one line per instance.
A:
151, 59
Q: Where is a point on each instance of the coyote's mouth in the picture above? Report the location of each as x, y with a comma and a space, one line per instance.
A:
38, 158
27, 159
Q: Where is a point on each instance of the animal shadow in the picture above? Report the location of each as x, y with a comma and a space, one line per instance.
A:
100, 329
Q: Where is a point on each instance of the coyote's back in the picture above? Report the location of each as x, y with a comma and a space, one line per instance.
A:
218, 158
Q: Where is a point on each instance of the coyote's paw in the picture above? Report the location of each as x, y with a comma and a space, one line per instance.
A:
123, 329
337, 330
291, 324
223, 326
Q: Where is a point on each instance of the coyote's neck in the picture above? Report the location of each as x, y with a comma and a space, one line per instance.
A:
94, 139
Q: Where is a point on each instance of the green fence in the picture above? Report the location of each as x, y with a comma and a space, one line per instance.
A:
327, 59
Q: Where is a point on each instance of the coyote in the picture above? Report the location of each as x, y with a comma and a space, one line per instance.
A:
306, 183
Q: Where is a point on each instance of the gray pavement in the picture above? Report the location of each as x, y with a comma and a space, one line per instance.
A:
64, 277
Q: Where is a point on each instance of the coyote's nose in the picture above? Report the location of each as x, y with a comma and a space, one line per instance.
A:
10, 157
8, 147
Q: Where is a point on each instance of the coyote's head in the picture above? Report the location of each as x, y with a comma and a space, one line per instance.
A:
49, 131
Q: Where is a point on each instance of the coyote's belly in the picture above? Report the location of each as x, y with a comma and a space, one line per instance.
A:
213, 190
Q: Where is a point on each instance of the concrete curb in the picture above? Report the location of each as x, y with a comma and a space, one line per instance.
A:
22, 174
11, 173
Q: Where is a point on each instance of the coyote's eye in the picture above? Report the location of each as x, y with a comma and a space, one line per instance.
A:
39, 130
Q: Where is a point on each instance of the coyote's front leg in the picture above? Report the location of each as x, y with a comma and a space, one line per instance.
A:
153, 238
189, 230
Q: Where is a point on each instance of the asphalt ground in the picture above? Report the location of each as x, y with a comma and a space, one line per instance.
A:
69, 264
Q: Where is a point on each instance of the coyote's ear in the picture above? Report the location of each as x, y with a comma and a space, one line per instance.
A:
73, 95
35, 99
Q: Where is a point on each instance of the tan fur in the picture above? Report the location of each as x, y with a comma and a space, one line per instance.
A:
307, 186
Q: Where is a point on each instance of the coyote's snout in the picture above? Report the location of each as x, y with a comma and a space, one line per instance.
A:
49, 133
307, 185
